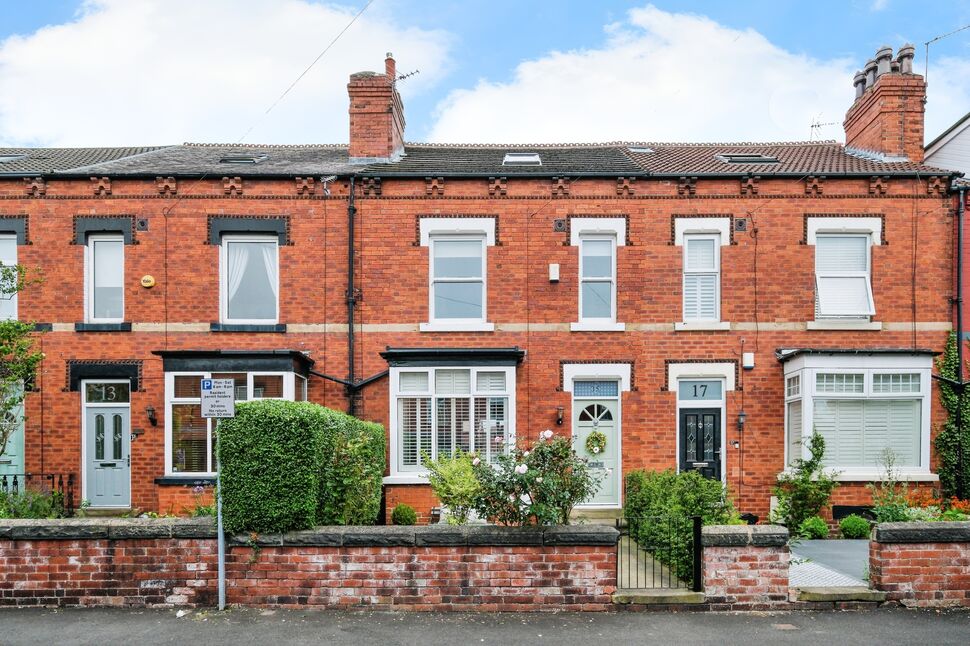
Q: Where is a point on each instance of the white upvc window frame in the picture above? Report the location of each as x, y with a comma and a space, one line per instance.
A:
867, 275
401, 474
90, 251
716, 272
228, 239
807, 367
598, 322
582, 228
12, 298
457, 323
289, 391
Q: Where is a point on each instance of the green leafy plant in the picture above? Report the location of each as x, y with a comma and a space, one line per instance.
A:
854, 526
29, 503
890, 498
807, 489
404, 515
954, 514
454, 483
352, 470
813, 527
659, 508
540, 485
950, 438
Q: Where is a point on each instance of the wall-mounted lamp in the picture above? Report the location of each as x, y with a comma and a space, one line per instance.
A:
560, 411
152, 418
741, 418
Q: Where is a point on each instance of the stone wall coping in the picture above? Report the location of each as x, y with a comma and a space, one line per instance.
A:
330, 536
741, 535
942, 532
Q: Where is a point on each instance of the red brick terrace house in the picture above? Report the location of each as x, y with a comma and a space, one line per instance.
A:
705, 305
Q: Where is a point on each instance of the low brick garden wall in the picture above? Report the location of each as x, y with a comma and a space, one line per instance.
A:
172, 562
745, 567
922, 565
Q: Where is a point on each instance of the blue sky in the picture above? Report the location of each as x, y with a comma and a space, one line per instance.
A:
479, 63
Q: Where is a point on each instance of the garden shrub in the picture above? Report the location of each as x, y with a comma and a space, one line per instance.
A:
31, 504
352, 471
806, 490
854, 526
454, 483
658, 511
890, 498
404, 515
951, 440
813, 527
538, 486
270, 455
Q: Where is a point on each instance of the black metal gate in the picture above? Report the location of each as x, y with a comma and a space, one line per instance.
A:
659, 552
60, 487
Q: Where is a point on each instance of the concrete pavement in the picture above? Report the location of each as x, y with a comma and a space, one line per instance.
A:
107, 626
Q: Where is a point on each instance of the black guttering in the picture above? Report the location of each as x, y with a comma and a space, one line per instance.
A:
235, 361
784, 354
397, 357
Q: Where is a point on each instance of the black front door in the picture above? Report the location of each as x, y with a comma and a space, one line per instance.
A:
700, 441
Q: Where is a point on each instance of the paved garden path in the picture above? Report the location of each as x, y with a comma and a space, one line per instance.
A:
828, 563
636, 569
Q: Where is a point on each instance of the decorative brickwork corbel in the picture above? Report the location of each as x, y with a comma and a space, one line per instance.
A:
434, 186
497, 186
625, 185
936, 185
878, 184
372, 186
101, 185
35, 186
749, 184
687, 185
305, 186
232, 185
814, 185
166, 185
560, 186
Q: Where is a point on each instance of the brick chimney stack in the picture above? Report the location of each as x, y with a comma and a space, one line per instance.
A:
887, 114
376, 116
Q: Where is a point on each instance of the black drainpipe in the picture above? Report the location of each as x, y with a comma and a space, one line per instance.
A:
351, 302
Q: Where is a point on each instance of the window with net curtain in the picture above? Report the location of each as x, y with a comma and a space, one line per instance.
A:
250, 280
440, 411
106, 267
8, 258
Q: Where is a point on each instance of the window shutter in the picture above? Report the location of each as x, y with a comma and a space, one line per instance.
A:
414, 382
841, 254
844, 296
491, 382
700, 297
903, 431
452, 382
701, 254
794, 431
842, 281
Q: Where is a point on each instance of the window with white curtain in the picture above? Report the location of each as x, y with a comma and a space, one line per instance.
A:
438, 411
702, 277
843, 285
249, 279
597, 273
105, 255
8, 258
458, 278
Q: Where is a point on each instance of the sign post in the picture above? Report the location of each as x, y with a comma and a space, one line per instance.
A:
219, 401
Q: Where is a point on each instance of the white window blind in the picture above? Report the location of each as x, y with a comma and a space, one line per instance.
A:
701, 278
490, 382
106, 274
458, 278
452, 382
858, 432
597, 268
8, 258
794, 431
842, 279
414, 382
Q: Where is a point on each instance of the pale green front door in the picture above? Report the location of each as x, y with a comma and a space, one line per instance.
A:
12, 460
108, 456
601, 415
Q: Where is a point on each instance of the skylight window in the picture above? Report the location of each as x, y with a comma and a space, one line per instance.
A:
747, 158
11, 158
522, 159
640, 150
243, 159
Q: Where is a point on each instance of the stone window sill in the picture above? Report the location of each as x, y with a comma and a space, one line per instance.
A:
595, 326
441, 326
247, 327
702, 326
102, 327
860, 326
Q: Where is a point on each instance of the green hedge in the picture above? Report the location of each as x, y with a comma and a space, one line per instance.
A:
292, 465
352, 471
658, 511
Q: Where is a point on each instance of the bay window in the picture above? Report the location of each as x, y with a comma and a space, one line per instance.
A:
865, 406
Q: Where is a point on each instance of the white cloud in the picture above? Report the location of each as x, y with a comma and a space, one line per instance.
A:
878, 5
661, 77
948, 94
130, 72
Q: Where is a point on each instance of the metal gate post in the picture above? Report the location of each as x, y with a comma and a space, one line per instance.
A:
698, 584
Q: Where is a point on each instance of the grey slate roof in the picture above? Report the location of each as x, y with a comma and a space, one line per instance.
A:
795, 159
39, 161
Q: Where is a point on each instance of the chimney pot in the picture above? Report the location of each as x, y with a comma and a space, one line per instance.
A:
870, 71
390, 67
905, 58
883, 58
859, 81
